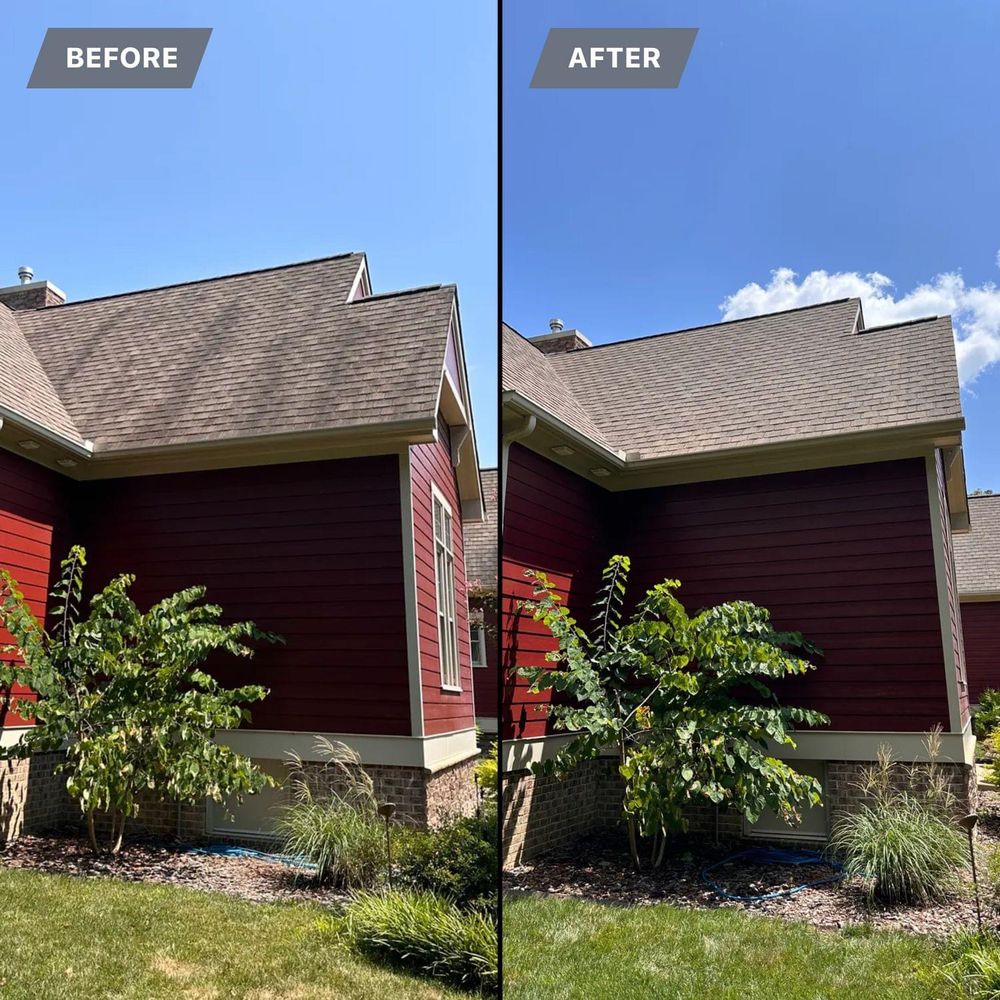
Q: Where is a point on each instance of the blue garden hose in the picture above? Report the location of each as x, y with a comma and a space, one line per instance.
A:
233, 851
773, 856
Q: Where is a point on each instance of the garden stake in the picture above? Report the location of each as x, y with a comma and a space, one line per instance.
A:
386, 811
968, 824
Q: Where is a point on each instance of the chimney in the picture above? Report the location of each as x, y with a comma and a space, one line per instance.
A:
560, 340
31, 294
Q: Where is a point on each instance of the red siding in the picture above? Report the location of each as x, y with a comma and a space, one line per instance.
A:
556, 522
312, 551
845, 555
444, 711
34, 534
487, 679
981, 628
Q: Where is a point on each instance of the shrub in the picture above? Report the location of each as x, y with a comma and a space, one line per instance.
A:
973, 969
337, 829
900, 843
459, 861
487, 776
426, 933
987, 716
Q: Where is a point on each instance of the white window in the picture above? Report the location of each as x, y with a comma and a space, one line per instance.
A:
444, 575
477, 635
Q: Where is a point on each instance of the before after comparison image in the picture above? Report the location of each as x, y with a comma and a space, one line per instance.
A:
500, 499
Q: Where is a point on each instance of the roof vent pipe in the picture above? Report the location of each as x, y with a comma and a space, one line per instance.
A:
556, 325
25, 274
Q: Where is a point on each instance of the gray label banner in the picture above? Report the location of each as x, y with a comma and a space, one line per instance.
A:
614, 57
116, 58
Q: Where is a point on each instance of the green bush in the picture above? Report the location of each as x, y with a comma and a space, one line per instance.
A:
425, 933
973, 969
987, 716
901, 843
337, 827
902, 852
487, 776
459, 861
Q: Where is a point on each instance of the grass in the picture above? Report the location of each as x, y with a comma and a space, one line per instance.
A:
98, 939
565, 949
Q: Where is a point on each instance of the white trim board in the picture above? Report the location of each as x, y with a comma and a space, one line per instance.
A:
958, 748
432, 753
410, 596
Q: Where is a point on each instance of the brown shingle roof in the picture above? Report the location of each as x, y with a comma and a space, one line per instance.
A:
24, 387
790, 376
529, 372
977, 551
481, 536
265, 352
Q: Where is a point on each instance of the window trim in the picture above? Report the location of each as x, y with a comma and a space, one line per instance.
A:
481, 630
437, 497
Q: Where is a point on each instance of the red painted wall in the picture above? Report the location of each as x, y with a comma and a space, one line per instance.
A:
556, 522
487, 679
312, 551
34, 535
845, 555
444, 711
981, 628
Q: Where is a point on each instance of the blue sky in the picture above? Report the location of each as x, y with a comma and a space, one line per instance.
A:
311, 130
852, 138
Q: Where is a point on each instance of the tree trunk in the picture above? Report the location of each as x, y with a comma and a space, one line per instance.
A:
92, 836
633, 844
662, 851
116, 838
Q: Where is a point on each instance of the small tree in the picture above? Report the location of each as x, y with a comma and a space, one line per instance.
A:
685, 700
120, 690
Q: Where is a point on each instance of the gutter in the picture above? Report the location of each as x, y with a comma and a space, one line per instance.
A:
84, 449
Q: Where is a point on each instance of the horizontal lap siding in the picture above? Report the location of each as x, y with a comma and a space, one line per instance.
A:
981, 628
555, 522
844, 555
35, 510
312, 551
487, 679
444, 711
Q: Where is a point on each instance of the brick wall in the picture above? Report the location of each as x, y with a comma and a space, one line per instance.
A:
541, 813
33, 796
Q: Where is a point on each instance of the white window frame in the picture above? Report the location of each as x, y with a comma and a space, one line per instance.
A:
445, 596
478, 632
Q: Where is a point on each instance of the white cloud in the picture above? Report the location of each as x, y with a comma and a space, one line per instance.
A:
974, 309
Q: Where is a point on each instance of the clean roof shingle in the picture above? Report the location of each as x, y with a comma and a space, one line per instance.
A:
247, 355
977, 551
791, 376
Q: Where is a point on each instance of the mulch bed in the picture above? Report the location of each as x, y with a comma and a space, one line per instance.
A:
598, 868
168, 863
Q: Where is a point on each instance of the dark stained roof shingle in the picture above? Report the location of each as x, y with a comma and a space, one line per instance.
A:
247, 355
481, 536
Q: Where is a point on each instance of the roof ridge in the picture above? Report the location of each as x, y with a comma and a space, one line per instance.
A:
203, 281
904, 322
402, 291
707, 326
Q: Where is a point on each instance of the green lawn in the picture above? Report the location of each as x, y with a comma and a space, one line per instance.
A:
75, 939
557, 948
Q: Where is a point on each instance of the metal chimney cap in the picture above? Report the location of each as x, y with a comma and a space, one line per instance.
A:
25, 274
556, 325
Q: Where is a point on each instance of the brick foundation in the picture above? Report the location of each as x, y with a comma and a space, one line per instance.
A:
543, 813
33, 799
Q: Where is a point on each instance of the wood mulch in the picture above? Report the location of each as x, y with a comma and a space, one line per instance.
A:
168, 863
598, 868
